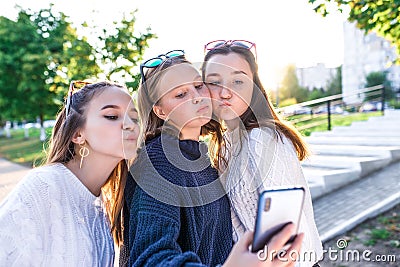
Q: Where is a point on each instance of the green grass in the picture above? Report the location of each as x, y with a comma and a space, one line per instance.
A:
336, 120
26, 151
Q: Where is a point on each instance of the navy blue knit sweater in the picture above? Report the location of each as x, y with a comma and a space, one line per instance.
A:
178, 212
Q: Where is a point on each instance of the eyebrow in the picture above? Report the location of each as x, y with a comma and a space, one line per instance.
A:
117, 107
183, 84
110, 106
233, 73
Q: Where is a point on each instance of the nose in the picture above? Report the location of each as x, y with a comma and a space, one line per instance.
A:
225, 92
129, 124
196, 96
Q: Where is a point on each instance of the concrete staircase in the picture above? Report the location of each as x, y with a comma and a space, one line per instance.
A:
347, 154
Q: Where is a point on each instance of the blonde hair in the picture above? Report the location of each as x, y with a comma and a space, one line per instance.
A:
152, 126
62, 150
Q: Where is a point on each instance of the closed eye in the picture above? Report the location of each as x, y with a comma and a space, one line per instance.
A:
134, 120
181, 95
198, 86
111, 117
214, 83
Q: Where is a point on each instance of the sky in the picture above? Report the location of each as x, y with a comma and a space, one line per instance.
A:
285, 31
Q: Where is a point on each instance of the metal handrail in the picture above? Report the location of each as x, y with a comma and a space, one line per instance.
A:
329, 100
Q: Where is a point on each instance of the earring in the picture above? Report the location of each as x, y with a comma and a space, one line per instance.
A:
83, 152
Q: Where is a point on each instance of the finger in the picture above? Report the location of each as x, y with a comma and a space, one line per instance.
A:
296, 246
245, 241
279, 240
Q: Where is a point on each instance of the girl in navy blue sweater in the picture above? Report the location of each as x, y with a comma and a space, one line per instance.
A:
177, 212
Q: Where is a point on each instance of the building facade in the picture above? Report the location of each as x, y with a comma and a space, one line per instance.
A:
363, 54
316, 76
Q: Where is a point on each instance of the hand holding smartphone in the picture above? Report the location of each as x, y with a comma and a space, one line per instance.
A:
277, 207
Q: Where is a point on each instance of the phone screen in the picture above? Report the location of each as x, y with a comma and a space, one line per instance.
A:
276, 208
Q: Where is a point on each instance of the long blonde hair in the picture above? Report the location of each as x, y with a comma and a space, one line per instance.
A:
62, 150
148, 96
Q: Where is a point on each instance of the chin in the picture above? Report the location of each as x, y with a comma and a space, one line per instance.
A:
227, 115
130, 155
199, 122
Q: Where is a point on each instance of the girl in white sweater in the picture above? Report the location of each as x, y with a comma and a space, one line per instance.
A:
66, 212
258, 149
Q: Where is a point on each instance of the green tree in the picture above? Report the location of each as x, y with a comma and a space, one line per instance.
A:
290, 87
34, 63
380, 16
378, 78
41, 52
334, 86
316, 93
120, 49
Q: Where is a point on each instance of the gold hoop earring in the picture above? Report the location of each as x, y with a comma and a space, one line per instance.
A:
83, 152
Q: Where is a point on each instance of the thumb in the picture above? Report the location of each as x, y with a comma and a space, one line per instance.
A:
245, 241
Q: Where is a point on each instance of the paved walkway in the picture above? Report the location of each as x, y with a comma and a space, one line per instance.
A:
10, 175
347, 207
334, 213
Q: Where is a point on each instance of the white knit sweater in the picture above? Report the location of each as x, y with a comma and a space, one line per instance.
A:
259, 159
52, 219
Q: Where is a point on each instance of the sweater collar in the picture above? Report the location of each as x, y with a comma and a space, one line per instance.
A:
82, 193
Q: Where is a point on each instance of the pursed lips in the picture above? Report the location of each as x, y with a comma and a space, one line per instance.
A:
204, 108
131, 138
225, 104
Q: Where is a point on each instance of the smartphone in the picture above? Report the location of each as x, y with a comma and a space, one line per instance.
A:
277, 207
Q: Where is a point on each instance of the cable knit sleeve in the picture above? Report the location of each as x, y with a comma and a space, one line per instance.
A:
284, 169
21, 225
267, 159
154, 231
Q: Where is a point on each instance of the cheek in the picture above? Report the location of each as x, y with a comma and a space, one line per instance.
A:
204, 92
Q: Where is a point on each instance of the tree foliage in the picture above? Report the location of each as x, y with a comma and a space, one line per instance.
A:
334, 85
378, 78
41, 52
290, 87
120, 50
290, 83
380, 16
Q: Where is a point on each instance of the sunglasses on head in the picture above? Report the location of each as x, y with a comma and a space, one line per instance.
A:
240, 43
73, 87
157, 61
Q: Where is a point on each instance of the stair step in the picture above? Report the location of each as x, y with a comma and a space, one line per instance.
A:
378, 124
365, 164
343, 140
348, 153
392, 152
350, 132
322, 181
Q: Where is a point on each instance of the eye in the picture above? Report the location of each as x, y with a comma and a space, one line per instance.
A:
181, 95
237, 82
111, 117
198, 86
213, 84
135, 120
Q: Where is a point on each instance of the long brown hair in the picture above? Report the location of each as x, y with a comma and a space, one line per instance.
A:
148, 96
260, 111
62, 150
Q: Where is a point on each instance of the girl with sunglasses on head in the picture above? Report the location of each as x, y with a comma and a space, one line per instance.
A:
259, 150
67, 212
178, 212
